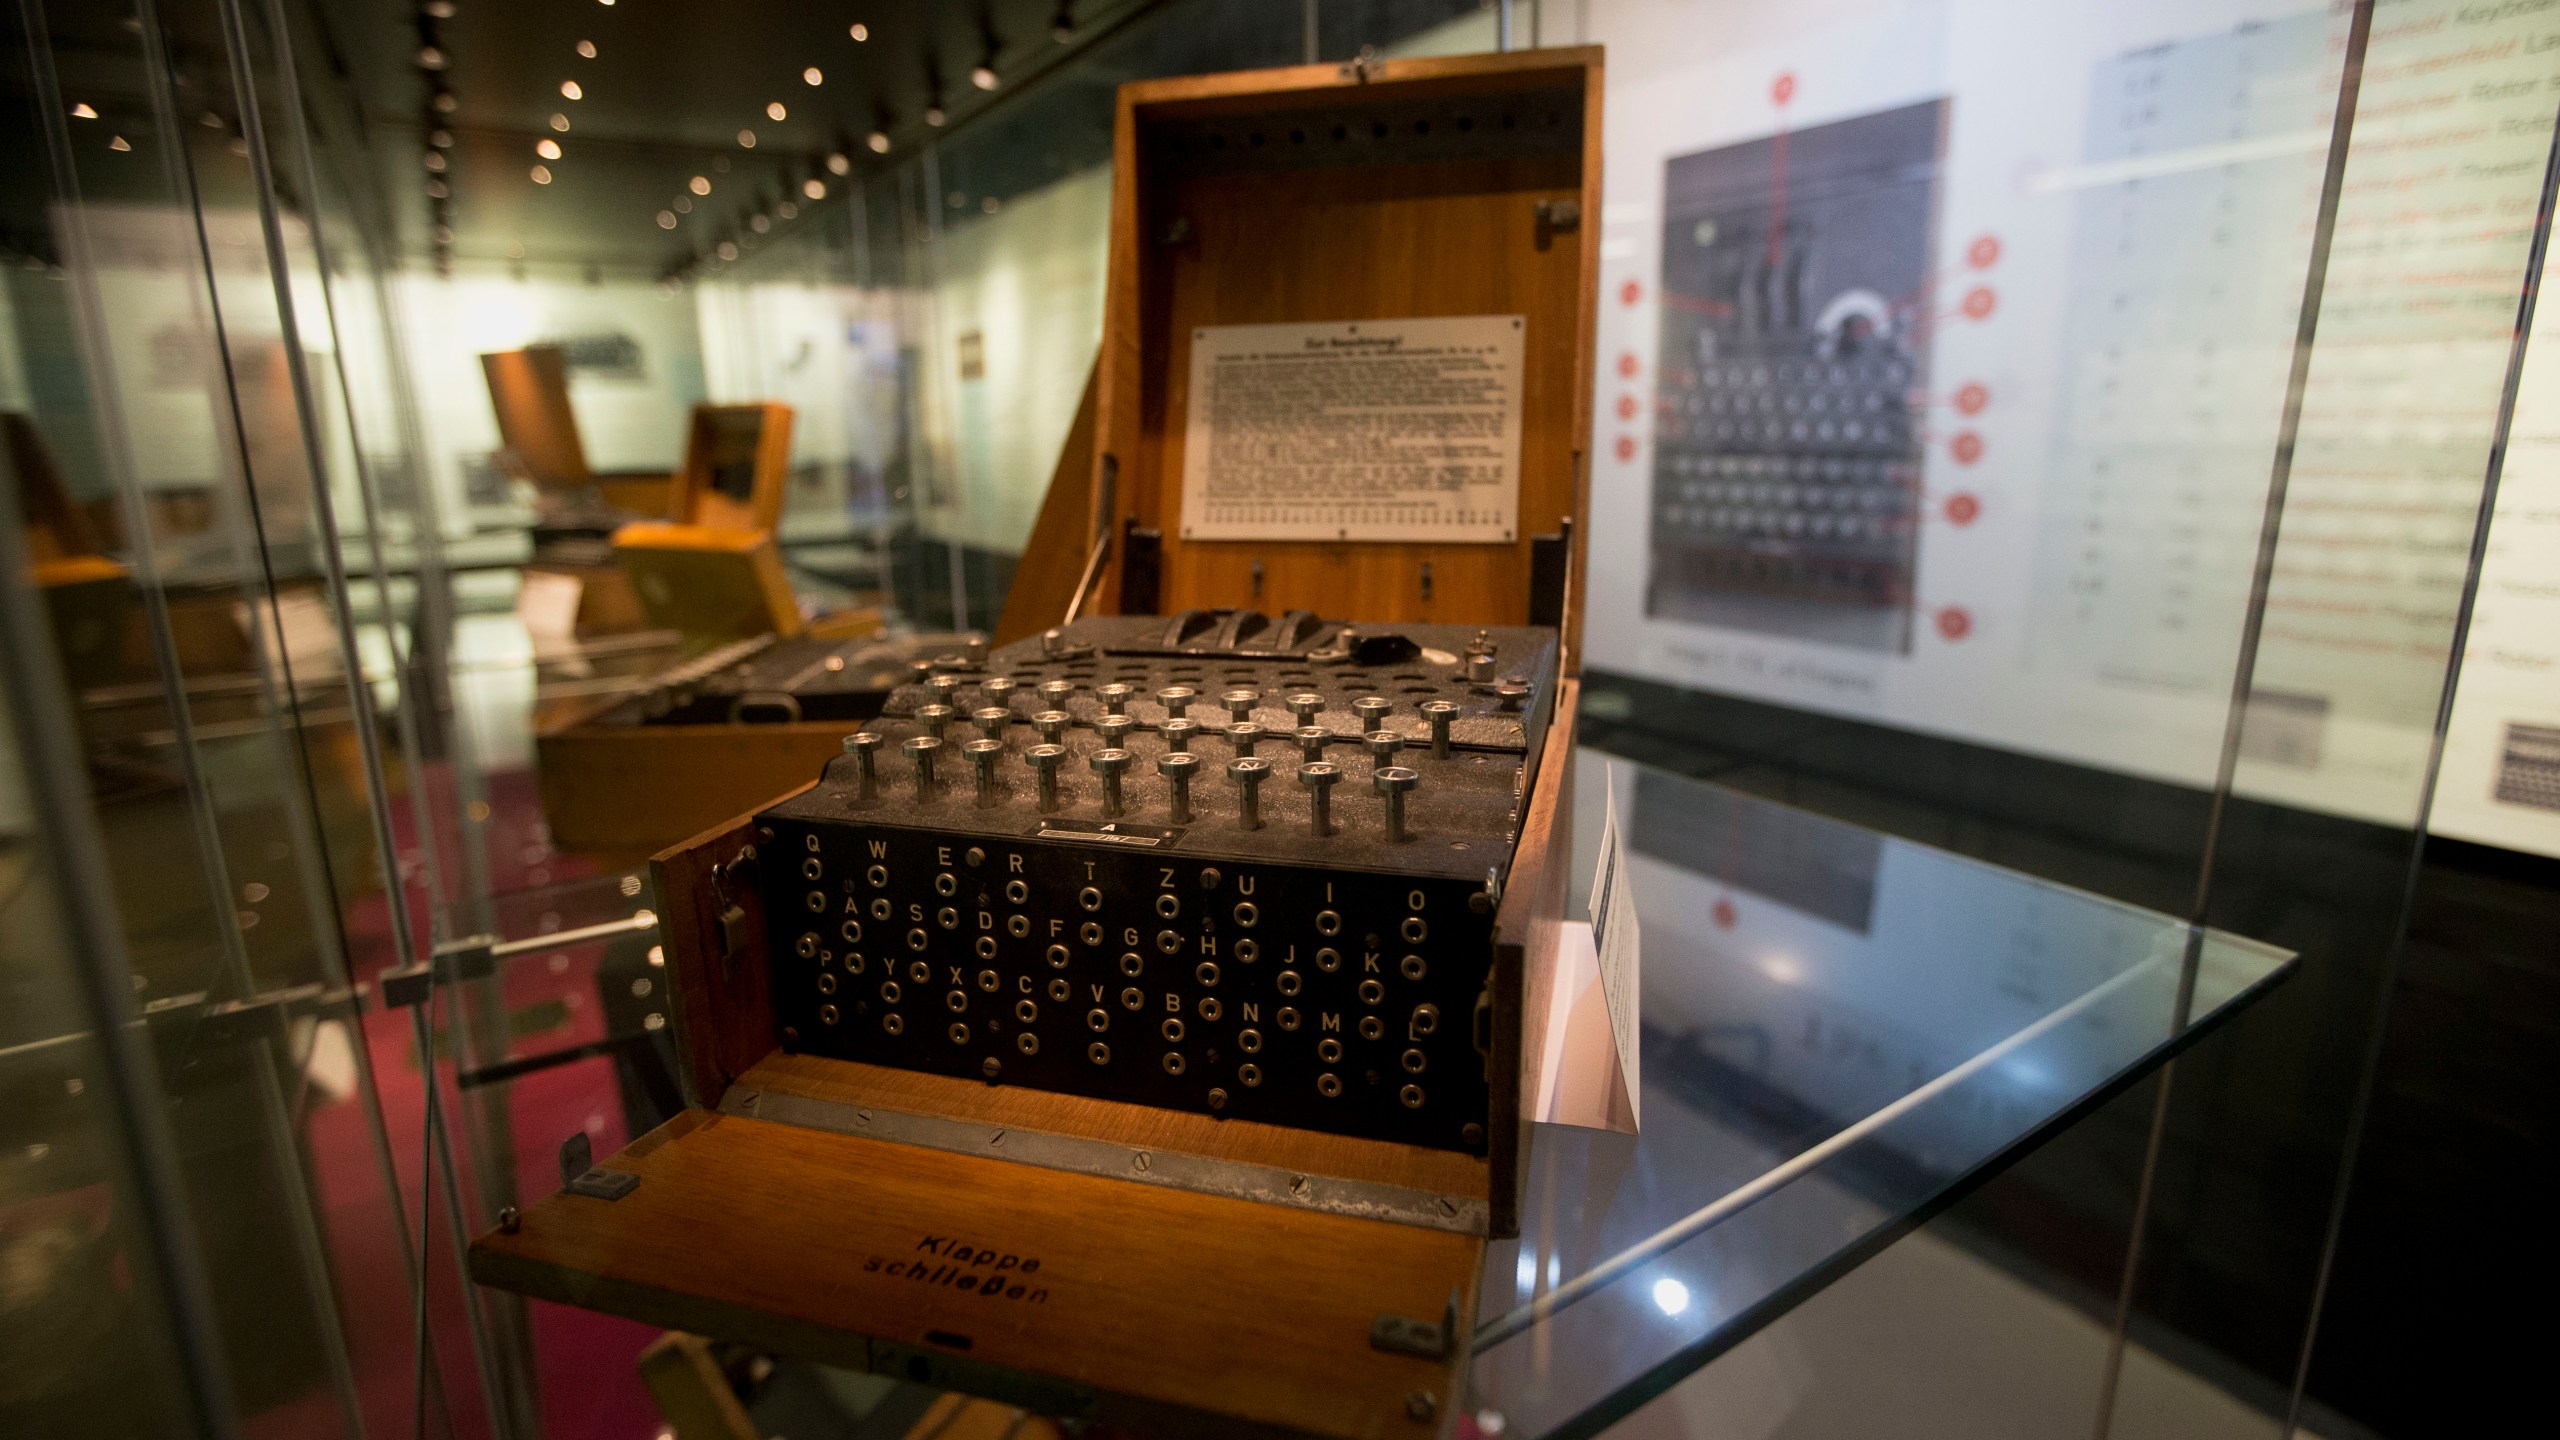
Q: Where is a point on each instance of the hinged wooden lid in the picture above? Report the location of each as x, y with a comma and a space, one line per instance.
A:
1464, 186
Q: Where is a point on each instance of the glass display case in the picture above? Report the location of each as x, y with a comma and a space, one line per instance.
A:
2042, 482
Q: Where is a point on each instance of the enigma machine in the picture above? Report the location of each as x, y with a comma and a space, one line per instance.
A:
1224, 862
1137, 1019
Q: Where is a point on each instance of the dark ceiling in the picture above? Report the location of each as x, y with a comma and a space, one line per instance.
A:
664, 98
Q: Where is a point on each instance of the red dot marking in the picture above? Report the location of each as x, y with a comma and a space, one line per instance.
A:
1966, 447
1784, 88
1724, 914
1955, 622
1626, 447
1979, 302
1962, 508
1984, 252
1626, 407
1627, 363
1630, 293
1973, 397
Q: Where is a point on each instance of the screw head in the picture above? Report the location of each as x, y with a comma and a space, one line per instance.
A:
510, 1220
1421, 1405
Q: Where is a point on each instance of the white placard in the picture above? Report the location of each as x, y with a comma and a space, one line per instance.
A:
1364, 430
1619, 946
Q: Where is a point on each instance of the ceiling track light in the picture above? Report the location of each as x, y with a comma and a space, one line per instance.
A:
877, 142
1062, 26
933, 112
983, 74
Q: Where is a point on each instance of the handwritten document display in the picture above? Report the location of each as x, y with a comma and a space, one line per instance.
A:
1372, 430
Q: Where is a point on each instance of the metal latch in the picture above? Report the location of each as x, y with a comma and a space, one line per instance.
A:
1402, 1335
580, 1175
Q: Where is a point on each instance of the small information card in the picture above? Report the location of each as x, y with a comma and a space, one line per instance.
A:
1366, 430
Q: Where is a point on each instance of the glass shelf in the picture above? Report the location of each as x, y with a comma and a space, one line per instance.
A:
1841, 1032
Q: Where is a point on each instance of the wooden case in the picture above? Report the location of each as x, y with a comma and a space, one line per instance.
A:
1162, 1270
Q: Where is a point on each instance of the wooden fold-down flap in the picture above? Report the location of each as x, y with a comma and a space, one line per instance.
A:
1066, 1293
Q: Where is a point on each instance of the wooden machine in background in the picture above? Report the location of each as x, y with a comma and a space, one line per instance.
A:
712, 569
1162, 1270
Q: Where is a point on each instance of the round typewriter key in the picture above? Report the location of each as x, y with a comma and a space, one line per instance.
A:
1250, 1074
1172, 1063
1089, 898
808, 945
1328, 923
1018, 926
988, 980
1097, 1020
878, 875
959, 1032
1027, 1043
1058, 957
1210, 1009
1248, 950
894, 1024
1329, 1050
1091, 932
1016, 892
1098, 1053
826, 983
919, 972
915, 939
889, 992
1411, 1095
1172, 1028
1026, 1011
1246, 914
852, 932
1168, 906
827, 1015
1207, 974
1328, 1086
1371, 992
1328, 959
1413, 1062
1131, 963
1132, 999
1288, 1017
1059, 990
1413, 967
1209, 877
1168, 941
1249, 1041
1372, 1028
1414, 929
818, 900
1288, 982
956, 1001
